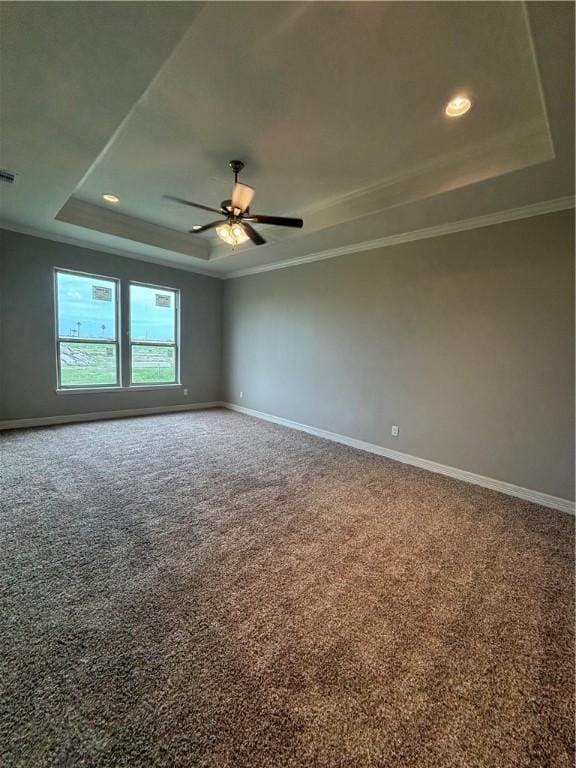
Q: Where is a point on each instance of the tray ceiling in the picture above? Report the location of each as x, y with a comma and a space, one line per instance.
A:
336, 109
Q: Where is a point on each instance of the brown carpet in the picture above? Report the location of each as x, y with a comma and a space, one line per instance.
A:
205, 589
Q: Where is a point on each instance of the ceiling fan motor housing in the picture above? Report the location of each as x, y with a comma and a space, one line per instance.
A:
226, 205
236, 166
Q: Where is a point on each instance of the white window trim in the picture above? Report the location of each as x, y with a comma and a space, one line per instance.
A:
122, 329
100, 390
175, 345
117, 342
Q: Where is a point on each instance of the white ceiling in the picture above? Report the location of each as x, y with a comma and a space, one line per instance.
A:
336, 109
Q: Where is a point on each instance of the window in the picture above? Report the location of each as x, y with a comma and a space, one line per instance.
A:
153, 335
87, 330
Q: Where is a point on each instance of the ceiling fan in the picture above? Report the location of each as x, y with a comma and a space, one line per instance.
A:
238, 227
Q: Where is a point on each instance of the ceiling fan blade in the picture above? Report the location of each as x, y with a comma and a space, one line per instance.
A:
252, 234
279, 221
242, 196
196, 230
193, 205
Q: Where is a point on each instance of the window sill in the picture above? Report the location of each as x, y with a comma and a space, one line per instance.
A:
100, 390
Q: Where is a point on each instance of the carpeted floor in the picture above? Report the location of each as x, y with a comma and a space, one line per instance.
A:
205, 589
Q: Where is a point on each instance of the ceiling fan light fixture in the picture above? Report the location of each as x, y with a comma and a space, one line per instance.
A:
237, 228
232, 233
457, 106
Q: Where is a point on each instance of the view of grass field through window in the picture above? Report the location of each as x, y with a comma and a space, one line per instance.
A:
87, 331
87, 364
153, 364
152, 319
88, 335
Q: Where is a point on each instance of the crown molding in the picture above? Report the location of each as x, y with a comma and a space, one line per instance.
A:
448, 228
67, 240
476, 222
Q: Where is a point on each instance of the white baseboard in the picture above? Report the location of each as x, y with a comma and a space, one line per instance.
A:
527, 494
100, 415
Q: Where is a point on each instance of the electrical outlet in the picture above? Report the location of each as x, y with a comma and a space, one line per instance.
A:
395, 430
185, 391
241, 395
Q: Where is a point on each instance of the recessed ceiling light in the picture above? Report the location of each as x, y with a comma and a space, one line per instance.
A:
110, 198
458, 106
197, 226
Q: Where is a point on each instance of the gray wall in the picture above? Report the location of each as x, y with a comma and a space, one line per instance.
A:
465, 341
27, 354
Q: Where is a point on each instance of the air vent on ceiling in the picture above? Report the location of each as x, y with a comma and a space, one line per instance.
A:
7, 176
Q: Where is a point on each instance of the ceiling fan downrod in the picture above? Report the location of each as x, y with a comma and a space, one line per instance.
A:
236, 166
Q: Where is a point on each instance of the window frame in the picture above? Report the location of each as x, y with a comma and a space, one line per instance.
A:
78, 340
175, 345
